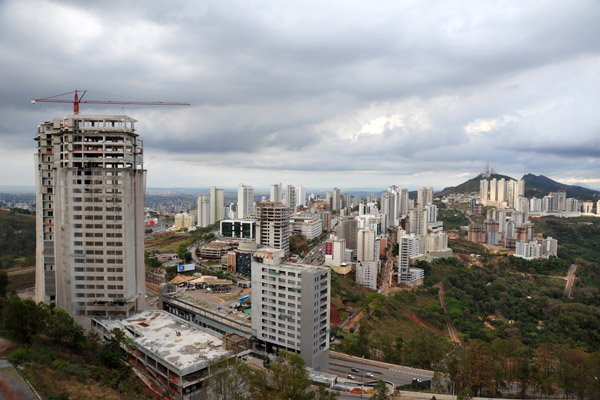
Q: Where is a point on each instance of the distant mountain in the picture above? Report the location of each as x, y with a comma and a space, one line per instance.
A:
540, 186
472, 185
535, 185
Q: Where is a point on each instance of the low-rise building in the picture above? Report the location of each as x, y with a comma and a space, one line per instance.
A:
169, 350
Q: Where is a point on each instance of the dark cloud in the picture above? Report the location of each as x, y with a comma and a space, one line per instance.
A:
379, 91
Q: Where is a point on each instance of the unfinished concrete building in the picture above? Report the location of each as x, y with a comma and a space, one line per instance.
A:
90, 215
272, 227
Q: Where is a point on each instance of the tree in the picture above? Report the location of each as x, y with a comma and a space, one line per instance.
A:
324, 394
380, 391
62, 326
290, 377
3, 282
229, 382
258, 389
23, 319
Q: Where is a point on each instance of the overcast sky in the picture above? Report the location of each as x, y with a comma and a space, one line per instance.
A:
319, 93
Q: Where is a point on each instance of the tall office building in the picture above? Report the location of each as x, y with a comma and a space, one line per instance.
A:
245, 204
336, 201
301, 196
203, 211
272, 227
90, 185
217, 204
290, 197
290, 304
276, 193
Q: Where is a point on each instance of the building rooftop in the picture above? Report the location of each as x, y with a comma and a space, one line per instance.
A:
180, 344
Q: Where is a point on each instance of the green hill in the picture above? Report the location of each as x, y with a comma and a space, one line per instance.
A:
472, 185
540, 186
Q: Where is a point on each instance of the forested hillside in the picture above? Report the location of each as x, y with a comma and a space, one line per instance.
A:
17, 239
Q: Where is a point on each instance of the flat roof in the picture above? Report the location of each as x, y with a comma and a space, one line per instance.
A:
186, 347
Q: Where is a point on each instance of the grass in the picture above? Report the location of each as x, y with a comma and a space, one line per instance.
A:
167, 243
21, 281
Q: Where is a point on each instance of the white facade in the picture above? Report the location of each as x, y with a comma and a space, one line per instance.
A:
301, 196
245, 204
543, 248
418, 221
203, 211
365, 251
217, 204
335, 250
290, 309
90, 215
366, 274
290, 197
432, 212
310, 229
409, 247
276, 192
335, 200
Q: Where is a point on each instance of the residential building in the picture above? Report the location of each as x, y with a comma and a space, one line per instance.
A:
184, 220
365, 251
203, 211
424, 196
290, 308
276, 193
366, 274
301, 196
90, 185
336, 201
272, 226
409, 248
217, 204
245, 203
290, 197
347, 229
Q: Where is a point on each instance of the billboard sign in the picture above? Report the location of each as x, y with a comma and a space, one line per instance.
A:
328, 249
186, 267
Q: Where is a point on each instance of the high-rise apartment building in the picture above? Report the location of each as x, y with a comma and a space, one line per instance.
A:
408, 247
290, 307
301, 196
404, 204
90, 185
335, 200
365, 251
290, 197
272, 227
245, 204
366, 274
424, 196
276, 193
203, 211
217, 204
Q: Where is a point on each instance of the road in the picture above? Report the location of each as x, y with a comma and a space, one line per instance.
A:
342, 364
451, 329
570, 279
20, 271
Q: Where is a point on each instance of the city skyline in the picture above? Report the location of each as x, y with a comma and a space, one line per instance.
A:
317, 95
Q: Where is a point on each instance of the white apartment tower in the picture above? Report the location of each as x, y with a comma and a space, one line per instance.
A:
290, 197
290, 308
217, 204
301, 196
336, 201
276, 193
365, 251
272, 227
245, 203
203, 211
409, 247
90, 185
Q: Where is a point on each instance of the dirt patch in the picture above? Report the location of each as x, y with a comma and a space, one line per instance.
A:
414, 318
355, 320
335, 315
6, 347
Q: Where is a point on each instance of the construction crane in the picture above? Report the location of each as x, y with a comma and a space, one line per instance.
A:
79, 100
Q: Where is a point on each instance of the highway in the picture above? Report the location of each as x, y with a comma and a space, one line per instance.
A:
342, 364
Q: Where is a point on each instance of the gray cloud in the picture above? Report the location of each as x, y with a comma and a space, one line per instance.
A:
419, 92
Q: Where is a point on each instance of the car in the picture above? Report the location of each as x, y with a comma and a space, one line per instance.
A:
369, 375
355, 370
350, 377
